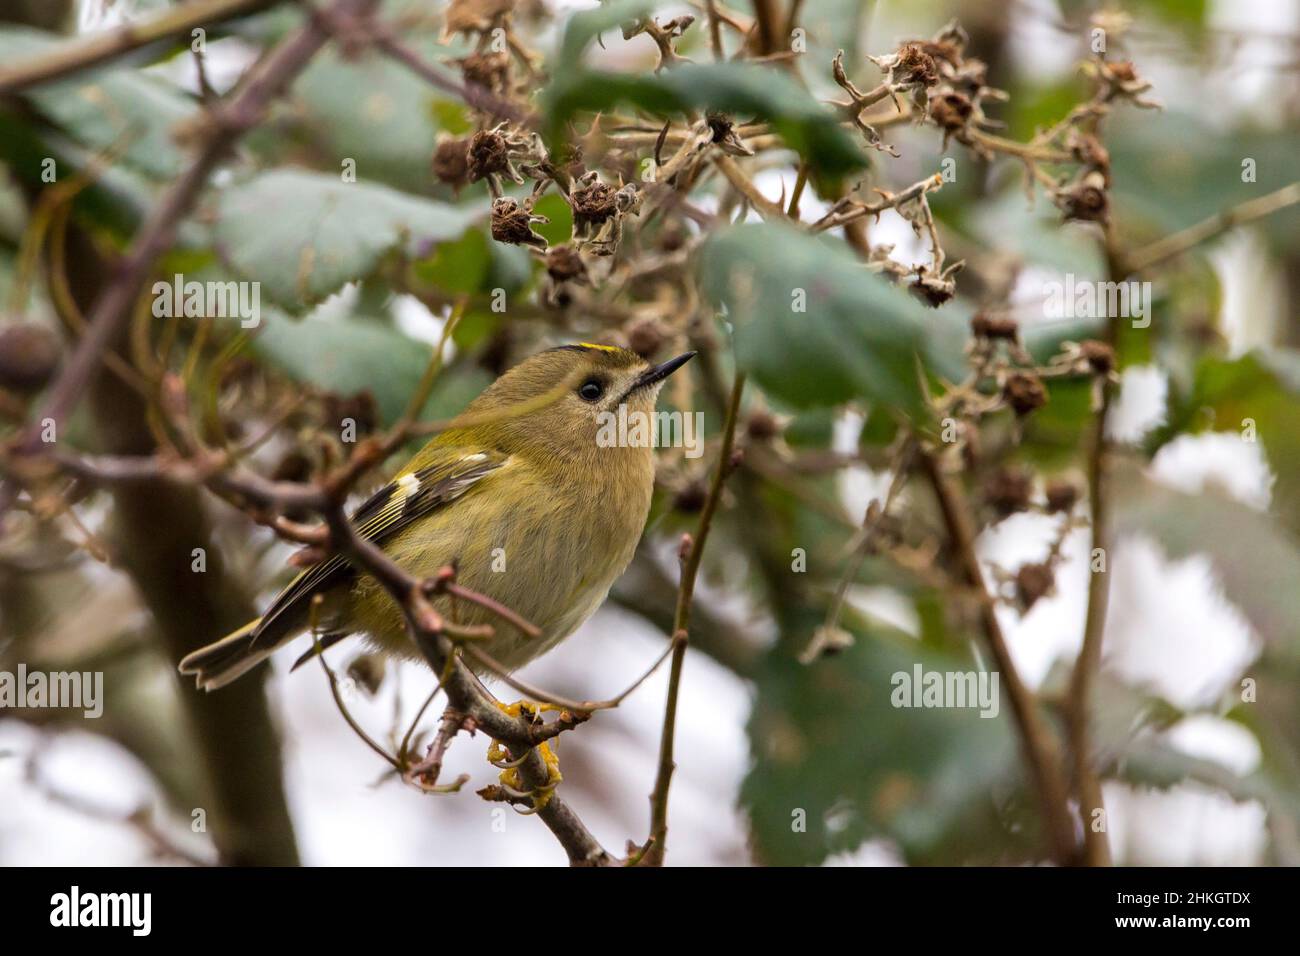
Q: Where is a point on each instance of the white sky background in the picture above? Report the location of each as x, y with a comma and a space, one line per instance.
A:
1169, 628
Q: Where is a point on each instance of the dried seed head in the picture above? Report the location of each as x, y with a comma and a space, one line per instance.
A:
513, 224
593, 203
475, 16
29, 357
725, 137
914, 66
1008, 490
1024, 392
646, 336
951, 110
986, 326
1061, 496
491, 70
488, 154
762, 425
564, 264
934, 291
1085, 199
1100, 356
1034, 581
451, 162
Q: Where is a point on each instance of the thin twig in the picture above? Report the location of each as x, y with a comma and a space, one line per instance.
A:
681, 631
96, 48
1164, 249
1040, 748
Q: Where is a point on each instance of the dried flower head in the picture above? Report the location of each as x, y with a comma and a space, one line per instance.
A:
1024, 392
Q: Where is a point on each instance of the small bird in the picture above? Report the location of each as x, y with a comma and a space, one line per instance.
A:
536, 509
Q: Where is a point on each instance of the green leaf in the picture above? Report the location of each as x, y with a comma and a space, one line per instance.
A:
739, 90
858, 337
830, 748
304, 235
581, 29
125, 110
355, 354
1257, 562
373, 110
1176, 188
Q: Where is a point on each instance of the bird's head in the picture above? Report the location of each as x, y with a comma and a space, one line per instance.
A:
562, 403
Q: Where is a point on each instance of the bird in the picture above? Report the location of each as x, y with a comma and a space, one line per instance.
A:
524, 495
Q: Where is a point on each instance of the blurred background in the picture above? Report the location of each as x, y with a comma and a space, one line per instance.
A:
1206, 589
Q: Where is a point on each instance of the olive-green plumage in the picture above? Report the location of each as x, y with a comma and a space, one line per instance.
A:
520, 494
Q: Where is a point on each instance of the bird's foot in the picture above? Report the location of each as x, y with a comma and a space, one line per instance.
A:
510, 781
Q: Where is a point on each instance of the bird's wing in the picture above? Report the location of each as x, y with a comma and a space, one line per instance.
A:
402, 501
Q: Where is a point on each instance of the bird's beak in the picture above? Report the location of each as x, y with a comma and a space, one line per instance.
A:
657, 373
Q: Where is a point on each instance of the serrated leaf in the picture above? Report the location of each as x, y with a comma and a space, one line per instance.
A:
832, 752
128, 111
304, 235
355, 354
857, 337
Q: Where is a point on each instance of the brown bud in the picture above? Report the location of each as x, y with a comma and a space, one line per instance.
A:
1085, 200
671, 238
1100, 356
451, 162
986, 326
690, 496
29, 357
1008, 490
1024, 392
1034, 581
762, 425
646, 336
487, 154
1061, 496
564, 264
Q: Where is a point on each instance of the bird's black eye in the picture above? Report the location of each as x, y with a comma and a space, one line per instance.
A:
591, 390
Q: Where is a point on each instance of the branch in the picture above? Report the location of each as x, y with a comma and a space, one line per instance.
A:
97, 48
1035, 737
232, 119
681, 631
1164, 249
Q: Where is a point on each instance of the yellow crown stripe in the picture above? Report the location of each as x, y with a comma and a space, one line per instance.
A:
603, 348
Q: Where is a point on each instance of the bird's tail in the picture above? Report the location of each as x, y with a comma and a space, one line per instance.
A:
233, 656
